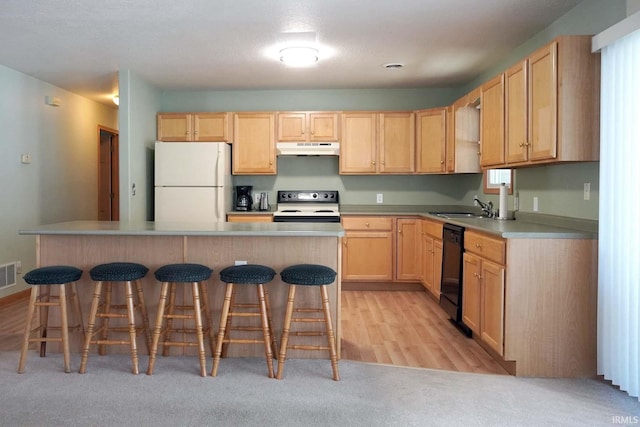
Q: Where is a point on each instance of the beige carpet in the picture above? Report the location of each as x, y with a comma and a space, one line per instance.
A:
242, 395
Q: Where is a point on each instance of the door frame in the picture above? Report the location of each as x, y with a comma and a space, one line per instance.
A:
114, 172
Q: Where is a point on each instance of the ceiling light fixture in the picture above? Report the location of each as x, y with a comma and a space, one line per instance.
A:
299, 56
116, 99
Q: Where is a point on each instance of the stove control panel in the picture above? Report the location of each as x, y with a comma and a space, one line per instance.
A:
307, 196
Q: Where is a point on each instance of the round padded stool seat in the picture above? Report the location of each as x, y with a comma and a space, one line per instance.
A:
118, 272
308, 274
183, 273
54, 275
247, 274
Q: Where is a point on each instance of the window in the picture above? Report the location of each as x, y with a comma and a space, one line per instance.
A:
493, 178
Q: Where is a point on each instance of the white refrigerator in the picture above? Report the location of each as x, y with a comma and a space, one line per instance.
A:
192, 182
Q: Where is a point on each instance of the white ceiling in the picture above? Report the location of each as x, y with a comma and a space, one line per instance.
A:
80, 45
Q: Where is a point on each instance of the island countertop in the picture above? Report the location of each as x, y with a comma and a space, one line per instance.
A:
220, 229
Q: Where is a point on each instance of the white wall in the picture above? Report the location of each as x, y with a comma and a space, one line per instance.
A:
139, 102
61, 183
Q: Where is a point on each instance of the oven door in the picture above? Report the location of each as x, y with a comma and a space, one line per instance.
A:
305, 218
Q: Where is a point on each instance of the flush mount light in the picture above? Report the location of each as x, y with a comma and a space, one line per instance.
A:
299, 56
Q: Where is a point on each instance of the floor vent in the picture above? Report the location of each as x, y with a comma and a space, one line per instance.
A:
7, 275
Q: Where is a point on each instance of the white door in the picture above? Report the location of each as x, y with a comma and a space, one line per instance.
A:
189, 164
189, 204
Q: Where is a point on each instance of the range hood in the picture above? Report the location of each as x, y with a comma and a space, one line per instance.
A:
308, 148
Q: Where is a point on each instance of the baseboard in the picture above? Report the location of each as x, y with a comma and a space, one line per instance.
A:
10, 299
508, 365
382, 286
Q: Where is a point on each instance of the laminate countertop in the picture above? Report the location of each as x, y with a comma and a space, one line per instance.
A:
525, 226
149, 228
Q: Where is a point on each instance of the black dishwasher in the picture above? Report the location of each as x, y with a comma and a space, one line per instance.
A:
451, 285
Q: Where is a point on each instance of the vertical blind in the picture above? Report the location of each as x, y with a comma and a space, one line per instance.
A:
619, 216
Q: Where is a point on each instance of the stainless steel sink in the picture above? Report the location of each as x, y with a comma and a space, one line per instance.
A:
462, 215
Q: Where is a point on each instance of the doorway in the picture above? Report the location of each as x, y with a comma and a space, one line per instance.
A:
108, 174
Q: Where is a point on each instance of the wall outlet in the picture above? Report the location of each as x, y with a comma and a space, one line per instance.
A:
240, 262
18, 267
587, 191
535, 204
379, 198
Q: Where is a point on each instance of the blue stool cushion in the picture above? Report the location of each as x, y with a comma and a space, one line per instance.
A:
118, 272
183, 273
54, 275
308, 274
247, 274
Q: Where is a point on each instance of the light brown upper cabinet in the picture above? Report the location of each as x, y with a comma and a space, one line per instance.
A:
185, 127
492, 122
308, 126
463, 150
377, 143
254, 147
551, 101
431, 131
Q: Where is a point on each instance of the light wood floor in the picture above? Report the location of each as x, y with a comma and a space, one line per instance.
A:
392, 327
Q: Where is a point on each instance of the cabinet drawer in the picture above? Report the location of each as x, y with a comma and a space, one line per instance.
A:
432, 228
491, 248
367, 223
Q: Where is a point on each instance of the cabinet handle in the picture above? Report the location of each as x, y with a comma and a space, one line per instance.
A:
373, 163
303, 132
366, 224
442, 162
478, 245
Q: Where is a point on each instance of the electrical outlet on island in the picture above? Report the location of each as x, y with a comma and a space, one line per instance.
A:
379, 198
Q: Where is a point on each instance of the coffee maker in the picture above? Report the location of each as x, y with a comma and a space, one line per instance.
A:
244, 202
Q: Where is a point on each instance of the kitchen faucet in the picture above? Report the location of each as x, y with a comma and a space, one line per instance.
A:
487, 208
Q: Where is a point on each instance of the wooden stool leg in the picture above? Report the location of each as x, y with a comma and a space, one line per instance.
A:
225, 340
132, 327
274, 345
95, 302
284, 341
35, 292
330, 335
197, 311
44, 319
158, 327
207, 314
102, 348
265, 330
76, 307
145, 315
64, 320
222, 329
169, 328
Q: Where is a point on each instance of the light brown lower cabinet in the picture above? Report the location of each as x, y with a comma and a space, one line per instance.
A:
431, 255
368, 248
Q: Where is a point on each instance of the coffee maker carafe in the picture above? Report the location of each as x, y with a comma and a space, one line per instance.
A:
244, 202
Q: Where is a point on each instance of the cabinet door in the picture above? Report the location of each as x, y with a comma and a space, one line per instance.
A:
292, 127
254, 151
367, 256
408, 249
397, 142
492, 320
211, 127
466, 134
174, 127
492, 122
358, 147
471, 291
543, 103
324, 127
427, 261
432, 140
516, 134
437, 267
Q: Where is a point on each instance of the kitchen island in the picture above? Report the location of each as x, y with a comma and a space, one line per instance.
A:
85, 244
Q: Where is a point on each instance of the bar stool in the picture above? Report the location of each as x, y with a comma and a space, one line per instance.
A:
170, 275
308, 275
128, 273
63, 277
249, 274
